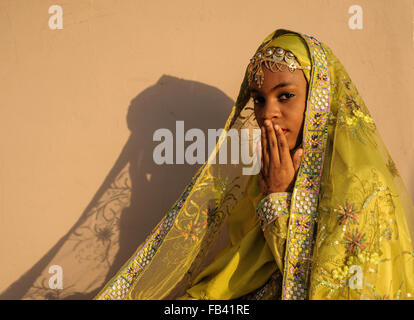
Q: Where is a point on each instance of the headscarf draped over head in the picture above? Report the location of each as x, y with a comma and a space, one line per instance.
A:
344, 234
297, 46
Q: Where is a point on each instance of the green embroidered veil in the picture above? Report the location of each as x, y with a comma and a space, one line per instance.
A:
348, 191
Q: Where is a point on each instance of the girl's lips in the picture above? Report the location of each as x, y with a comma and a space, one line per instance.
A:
284, 130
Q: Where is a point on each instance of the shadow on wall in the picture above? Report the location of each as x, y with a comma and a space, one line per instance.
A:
133, 198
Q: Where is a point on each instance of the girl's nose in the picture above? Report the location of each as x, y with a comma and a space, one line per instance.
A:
271, 110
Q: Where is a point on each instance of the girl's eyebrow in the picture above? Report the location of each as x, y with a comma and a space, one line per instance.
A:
280, 85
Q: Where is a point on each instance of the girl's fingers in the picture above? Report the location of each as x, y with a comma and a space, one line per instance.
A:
272, 140
265, 154
297, 159
260, 152
283, 147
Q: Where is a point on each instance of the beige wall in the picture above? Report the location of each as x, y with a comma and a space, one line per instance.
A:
70, 100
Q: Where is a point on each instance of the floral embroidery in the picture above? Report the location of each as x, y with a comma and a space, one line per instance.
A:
392, 167
358, 120
318, 120
297, 270
315, 141
133, 271
191, 230
388, 234
310, 182
204, 296
351, 103
357, 254
224, 187
359, 115
342, 273
322, 77
209, 216
347, 213
355, 120
347, 84
157, 239
355, 242
302, 223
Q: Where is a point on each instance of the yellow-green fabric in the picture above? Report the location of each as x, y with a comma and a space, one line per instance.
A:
346, 233
297, 46
252, 257
261, 253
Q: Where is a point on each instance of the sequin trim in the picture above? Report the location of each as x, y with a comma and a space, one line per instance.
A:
303, 212
273, 206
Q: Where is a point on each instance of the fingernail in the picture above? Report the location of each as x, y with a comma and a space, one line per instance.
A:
277, 127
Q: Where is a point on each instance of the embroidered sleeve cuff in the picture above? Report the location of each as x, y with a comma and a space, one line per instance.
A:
273, 206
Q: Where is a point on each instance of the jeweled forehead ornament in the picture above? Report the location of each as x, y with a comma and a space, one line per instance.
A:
274, 59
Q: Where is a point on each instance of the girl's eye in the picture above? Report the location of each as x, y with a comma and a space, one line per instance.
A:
282, 97
258, 100
286, 96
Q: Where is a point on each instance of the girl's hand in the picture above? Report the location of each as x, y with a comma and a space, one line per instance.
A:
278, 169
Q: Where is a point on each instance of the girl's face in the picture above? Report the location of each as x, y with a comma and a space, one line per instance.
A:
282, 100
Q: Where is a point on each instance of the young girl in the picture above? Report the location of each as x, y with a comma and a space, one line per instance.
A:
324, 219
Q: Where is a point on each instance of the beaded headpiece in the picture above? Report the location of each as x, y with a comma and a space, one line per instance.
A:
274, 59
